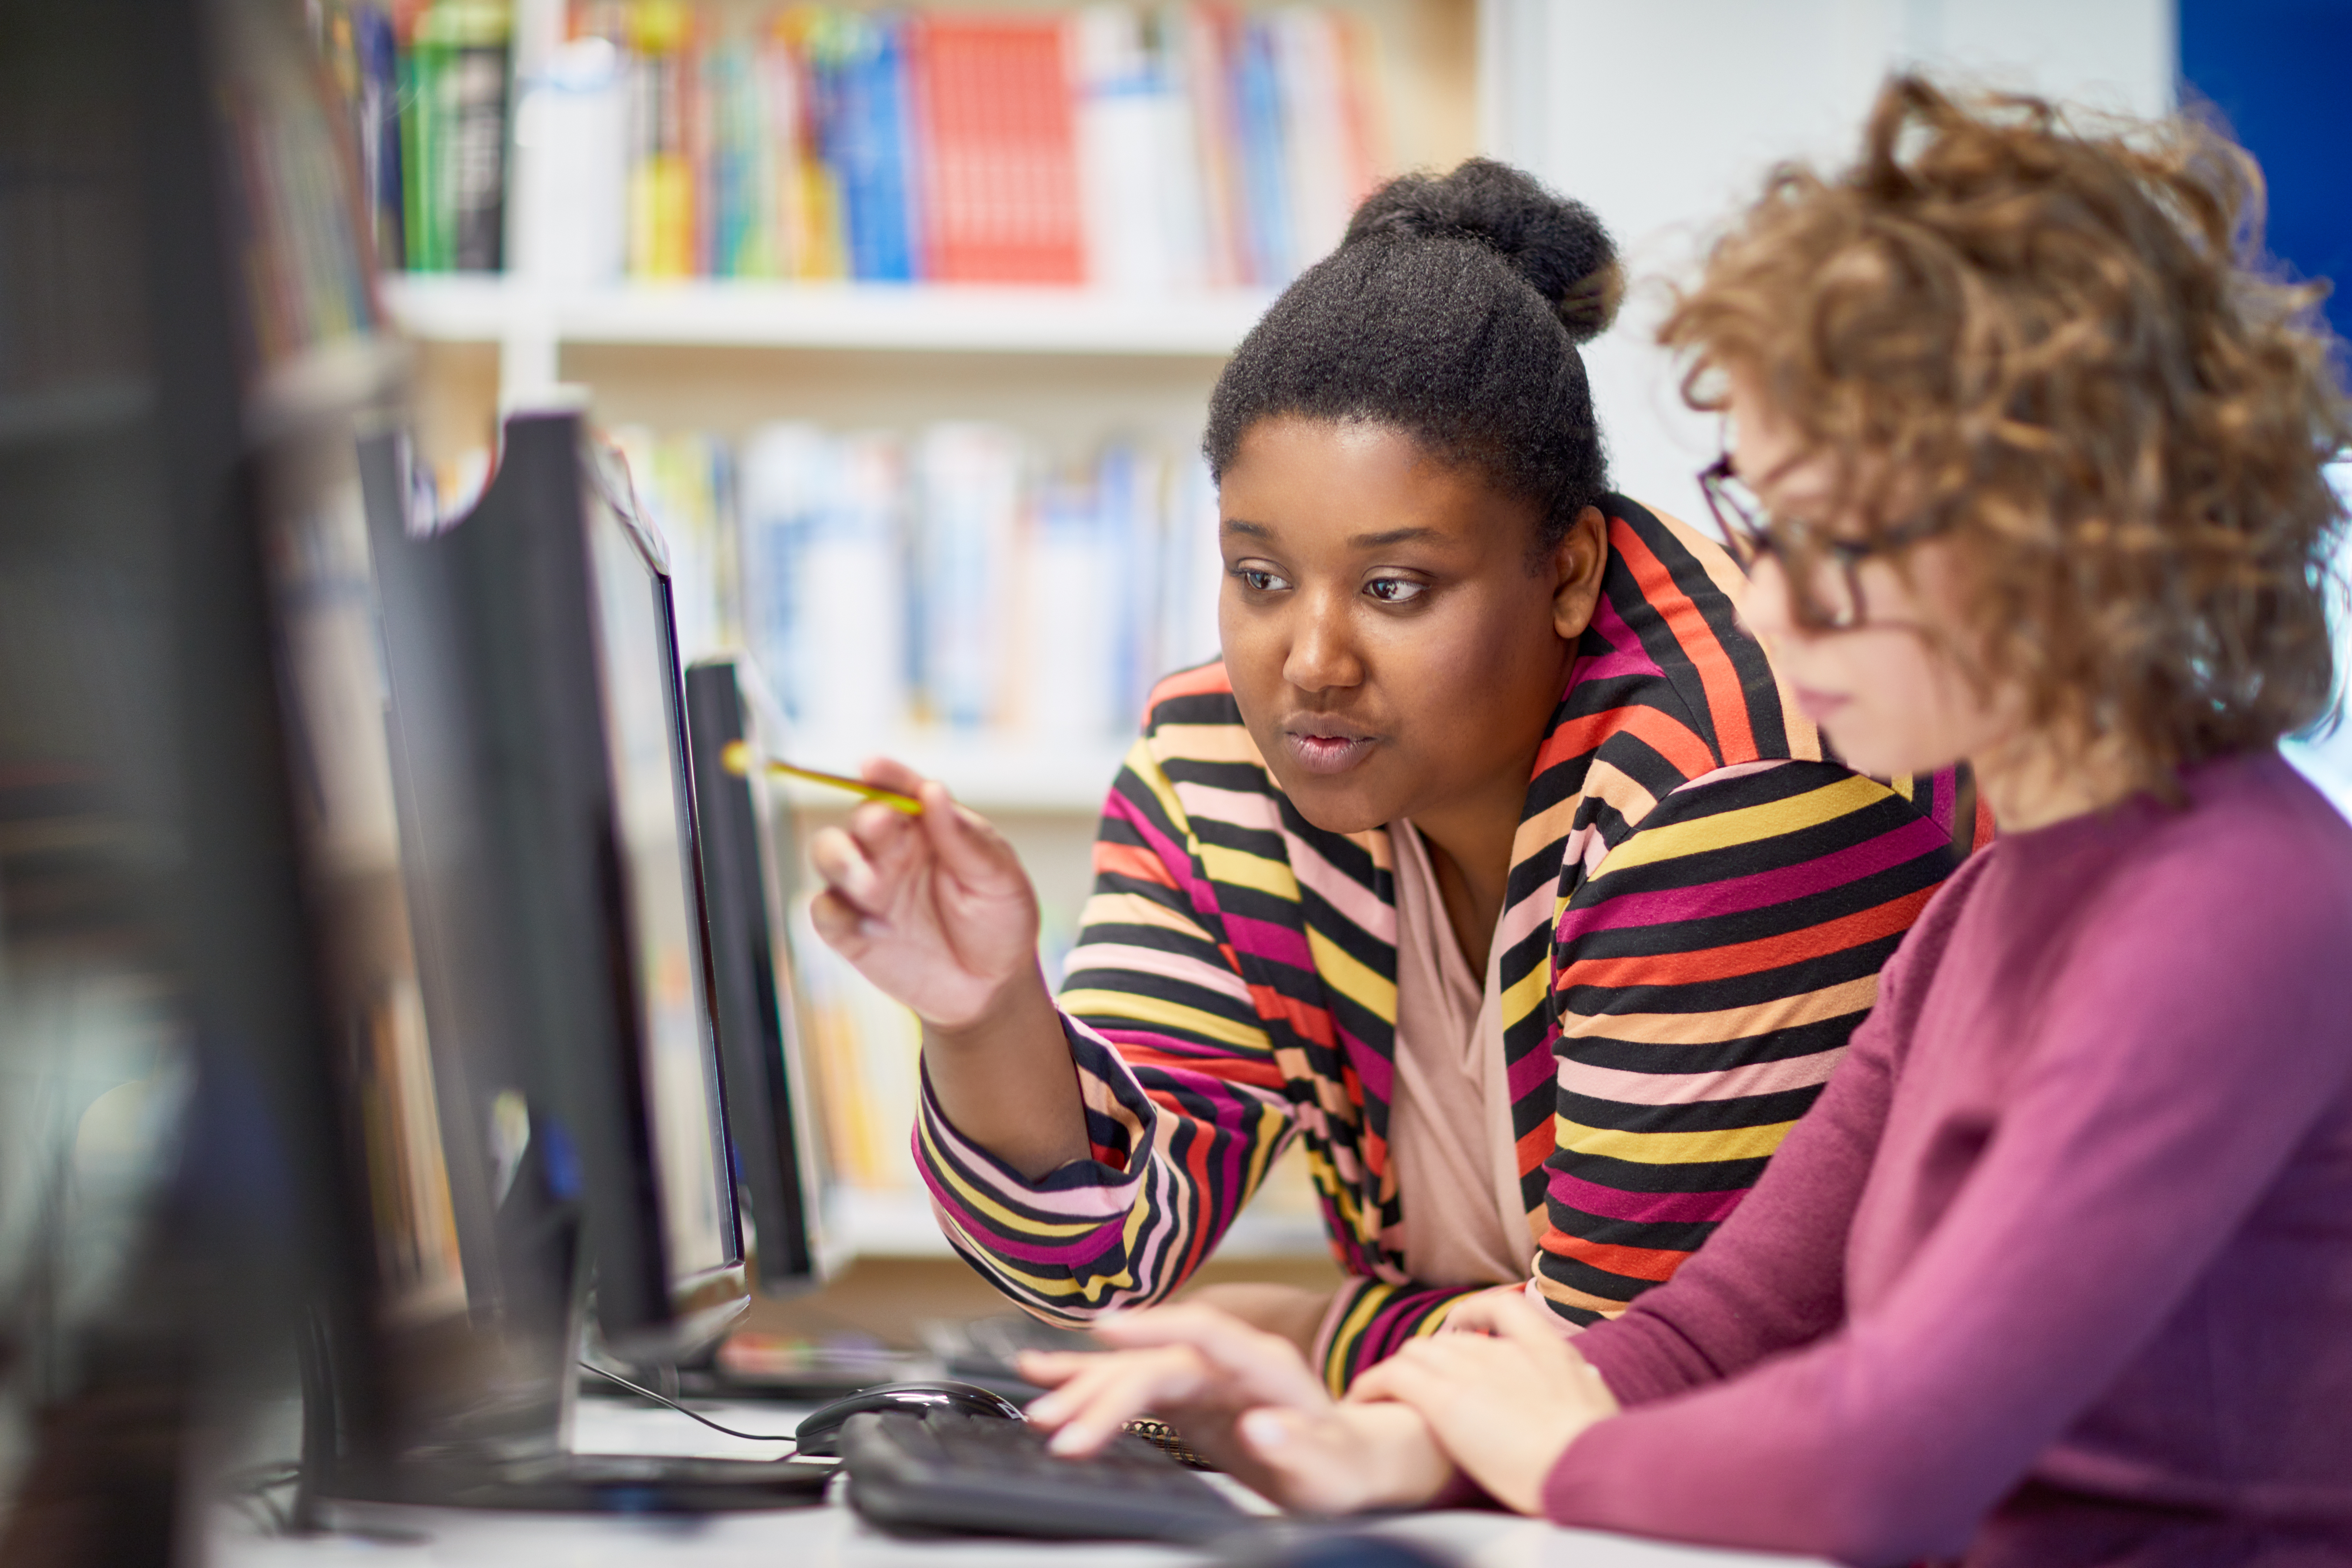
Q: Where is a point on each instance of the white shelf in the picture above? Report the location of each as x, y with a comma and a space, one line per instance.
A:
753, 314
987, 773
867, 1223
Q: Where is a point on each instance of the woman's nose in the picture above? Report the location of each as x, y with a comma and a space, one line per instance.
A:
1322, 653
1763, 604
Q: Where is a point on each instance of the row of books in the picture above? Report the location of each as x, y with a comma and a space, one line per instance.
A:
1146, 148
955, 578
425, 83
304, 272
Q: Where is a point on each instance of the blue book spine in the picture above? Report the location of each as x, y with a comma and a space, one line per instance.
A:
726, 81
1120, 518
830, 48
1264, 160
873, 153
378, 52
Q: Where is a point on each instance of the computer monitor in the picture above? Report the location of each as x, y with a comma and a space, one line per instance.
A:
747, 841
536, 753
582, 731
504, 1389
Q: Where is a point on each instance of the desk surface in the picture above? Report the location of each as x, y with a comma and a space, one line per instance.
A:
834, 1537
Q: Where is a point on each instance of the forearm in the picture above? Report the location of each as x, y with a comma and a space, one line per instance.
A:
1287, 1311
1007, 1082
1126, 1223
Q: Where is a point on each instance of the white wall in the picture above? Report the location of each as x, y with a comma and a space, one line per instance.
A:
1662, 115
2328, 760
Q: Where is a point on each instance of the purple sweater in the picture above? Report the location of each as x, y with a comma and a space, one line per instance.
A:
2059, 1269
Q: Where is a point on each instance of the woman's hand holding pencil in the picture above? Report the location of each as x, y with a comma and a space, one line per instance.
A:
931, 905
934, 907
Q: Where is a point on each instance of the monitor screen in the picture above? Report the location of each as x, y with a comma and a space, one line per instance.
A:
746, 838
644, 733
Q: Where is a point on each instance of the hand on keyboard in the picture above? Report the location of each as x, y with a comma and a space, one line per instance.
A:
1247, 1401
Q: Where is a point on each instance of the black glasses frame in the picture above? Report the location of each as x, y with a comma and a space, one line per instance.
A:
1752, 532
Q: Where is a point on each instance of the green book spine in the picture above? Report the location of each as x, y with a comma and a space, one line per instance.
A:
432, 97
413, 162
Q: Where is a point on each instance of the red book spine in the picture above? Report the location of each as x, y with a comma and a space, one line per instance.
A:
1001, 200
1360, 85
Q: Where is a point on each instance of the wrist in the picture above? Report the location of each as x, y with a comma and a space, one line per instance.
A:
1405, 1466
1005, 1079
1518, 1476
1015, 1005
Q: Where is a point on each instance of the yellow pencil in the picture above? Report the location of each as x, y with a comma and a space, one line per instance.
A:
736, 758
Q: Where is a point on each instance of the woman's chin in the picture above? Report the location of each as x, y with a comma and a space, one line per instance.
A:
1880, 756
1337, 805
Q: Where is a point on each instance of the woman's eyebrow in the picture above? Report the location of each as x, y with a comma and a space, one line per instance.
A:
1355, 542
1391, 536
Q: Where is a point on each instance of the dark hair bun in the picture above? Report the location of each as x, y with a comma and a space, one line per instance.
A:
1556, 244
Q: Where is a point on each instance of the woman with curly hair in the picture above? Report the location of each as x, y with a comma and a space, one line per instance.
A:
2026, 468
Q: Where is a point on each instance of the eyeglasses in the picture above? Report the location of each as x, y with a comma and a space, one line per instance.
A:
1824, 574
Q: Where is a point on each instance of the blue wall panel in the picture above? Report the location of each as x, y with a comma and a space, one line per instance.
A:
2280, 71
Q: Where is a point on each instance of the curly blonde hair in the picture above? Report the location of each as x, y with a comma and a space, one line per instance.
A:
2057, 347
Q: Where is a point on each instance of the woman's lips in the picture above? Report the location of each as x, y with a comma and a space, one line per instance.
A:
1327, 753
1819, 705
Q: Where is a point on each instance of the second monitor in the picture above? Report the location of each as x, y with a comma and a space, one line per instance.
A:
747, 848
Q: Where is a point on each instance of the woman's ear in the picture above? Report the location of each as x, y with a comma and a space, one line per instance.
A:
1578, 561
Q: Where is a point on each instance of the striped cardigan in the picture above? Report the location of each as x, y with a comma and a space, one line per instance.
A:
1698, 907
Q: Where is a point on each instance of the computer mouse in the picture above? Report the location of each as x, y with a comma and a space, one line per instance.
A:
819, 1437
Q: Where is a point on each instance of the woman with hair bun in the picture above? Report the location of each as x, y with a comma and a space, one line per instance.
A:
1491, 861
2026, 461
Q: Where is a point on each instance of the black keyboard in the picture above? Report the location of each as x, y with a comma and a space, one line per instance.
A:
978, 1474
986, 1351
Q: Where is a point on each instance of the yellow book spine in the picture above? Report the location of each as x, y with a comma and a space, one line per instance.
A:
669, 178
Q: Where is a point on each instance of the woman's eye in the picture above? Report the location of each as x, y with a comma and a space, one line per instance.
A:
1395, 590
1258, 579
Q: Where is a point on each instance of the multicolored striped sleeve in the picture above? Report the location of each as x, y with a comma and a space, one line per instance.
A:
1369, 1320
1185, 1108
1706, 976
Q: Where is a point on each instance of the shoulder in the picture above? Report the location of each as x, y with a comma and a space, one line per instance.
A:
1192, 730
2200, 940
1671, 693
1202, 694
1788, 843
1668, 685
2254, 857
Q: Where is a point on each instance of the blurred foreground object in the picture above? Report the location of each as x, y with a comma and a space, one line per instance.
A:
185, 325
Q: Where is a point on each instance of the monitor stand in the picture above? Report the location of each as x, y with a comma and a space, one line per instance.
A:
517, 1459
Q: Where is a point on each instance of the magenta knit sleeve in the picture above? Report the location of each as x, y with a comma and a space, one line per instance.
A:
2163, 1082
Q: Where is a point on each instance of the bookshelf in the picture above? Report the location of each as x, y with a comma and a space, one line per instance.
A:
742, 313
1068, 368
